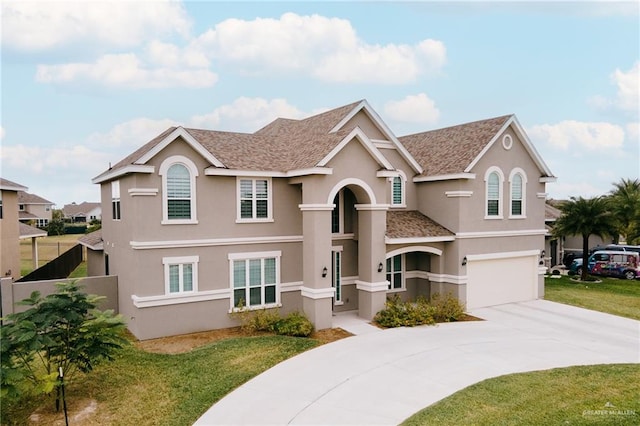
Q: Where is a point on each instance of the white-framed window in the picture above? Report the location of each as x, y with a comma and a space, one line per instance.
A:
518, 190
398, 190
178, 190
255, 279
336, 273
41, 223
115, 200
254, 200
21, 207
395, 275
494, 180
180, 274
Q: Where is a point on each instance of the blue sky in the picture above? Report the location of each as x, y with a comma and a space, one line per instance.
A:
86, 83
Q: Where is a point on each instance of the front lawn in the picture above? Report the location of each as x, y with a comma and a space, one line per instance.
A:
612, 295
600, 394
146, 388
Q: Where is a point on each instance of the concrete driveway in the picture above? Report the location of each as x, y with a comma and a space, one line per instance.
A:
383, 377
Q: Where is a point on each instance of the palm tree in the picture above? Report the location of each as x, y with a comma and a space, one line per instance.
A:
585, 217
625, 206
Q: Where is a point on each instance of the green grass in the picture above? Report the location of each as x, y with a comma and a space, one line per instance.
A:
142, 388
564, 396
612, 295
48, 249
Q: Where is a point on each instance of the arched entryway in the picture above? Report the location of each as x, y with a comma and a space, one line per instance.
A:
411, 269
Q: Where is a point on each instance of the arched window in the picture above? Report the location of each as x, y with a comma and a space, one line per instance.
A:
179, 194
398, 190
494, 179
517, 181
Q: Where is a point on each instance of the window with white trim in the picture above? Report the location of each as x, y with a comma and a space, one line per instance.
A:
395, 275
180, 274
254, 200
397, 194
493, 180
517, 181
178, 190
255, 279
115, 200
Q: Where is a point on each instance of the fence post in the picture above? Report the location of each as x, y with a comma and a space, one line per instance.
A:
6, 296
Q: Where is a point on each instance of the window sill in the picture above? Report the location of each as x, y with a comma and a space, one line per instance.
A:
517, 217
179, 298
396, 290
255, 308
267, 220
340, 303
179, 222
398, 206
494, 217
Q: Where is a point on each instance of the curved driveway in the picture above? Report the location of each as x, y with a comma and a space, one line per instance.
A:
381, 378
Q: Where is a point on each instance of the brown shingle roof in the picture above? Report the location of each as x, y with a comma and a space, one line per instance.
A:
413, 224
551, 212
282, 145
93, 240
8, 185
26, 198
450, 150
27, 231
74, 209
23, 215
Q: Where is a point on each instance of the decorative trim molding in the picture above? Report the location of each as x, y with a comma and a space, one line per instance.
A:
371, 207
418, 240
372, 287
458, 194
380, 144
162, 300
254, 255
316, 207
548, 179
134, 192
453, 176
317, 293
335, 237
215, 171
502, 255
410, 249
491, 234
449, 279
291, 286
145, 245
132, 168
542, 195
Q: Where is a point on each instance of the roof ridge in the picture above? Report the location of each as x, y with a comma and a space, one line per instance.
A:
460, 125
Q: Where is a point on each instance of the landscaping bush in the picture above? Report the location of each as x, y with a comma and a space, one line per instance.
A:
447, 308
295, 324
408, 314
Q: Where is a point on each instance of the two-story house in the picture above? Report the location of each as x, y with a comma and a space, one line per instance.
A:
324, 214
35, 209
9, 229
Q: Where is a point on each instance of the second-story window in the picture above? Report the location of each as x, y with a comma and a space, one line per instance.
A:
518, 181
493, 180
254, 200
179, 190
115, 200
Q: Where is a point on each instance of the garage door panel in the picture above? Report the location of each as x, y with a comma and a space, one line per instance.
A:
504, 280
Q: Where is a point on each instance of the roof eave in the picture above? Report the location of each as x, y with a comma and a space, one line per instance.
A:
122, 171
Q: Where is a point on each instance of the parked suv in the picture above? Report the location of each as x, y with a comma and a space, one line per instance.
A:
621, 264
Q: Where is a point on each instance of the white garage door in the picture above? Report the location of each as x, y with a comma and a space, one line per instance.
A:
501, 278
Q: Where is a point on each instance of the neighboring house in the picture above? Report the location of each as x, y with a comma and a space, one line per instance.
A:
84, 212
325, 214
9, 229
33, 208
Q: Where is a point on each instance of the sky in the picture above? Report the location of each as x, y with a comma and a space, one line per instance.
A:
84, 84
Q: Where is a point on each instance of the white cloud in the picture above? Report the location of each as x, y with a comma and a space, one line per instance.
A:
41, 160
633, 131
246, 114
413, 109
576, 136
42, 25
129, 135
126, 71
628, 96
327, 48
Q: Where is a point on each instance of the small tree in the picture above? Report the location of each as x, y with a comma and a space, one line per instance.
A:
585, 217
62, 330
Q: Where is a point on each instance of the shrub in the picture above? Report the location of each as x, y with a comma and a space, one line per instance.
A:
447, 308
295, 324
408, 314
269, 320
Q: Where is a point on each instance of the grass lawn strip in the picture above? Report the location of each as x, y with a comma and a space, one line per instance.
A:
148, 388
613, 296
601, 394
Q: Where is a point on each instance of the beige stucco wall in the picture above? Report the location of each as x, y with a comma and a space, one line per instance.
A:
42, 211
9, 236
